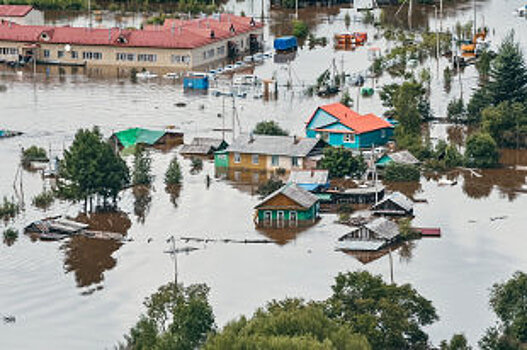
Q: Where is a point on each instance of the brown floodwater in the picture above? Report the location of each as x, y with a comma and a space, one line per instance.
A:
84, 294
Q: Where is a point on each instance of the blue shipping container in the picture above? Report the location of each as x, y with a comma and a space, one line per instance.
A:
285, 43
196, 82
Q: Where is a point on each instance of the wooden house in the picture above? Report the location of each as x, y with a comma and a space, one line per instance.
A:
340, 126
139, 136
288, 206
204, 146
370, 237
396, 204
314, 180
269, 153
401, 157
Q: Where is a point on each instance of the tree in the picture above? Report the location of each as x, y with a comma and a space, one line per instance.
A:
508, 75
90, 167
452, 157
290, 324
456, 111
300, 29
508, 300
481, 151
268, 187
458, 342
269, 127
346, 99
506, 123
340, 162
177, 317
401, 172
142, 167
479, 100
173, 175
390, 316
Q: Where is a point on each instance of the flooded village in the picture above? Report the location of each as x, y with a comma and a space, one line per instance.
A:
243, 154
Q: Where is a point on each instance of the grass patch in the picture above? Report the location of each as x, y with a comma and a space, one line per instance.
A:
43, 200
8, 209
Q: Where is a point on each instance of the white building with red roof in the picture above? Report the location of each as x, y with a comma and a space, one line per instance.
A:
178, 44
21, 14
340, 126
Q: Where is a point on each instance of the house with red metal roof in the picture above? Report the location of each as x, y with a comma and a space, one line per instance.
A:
179, 44
338, 125
21, 14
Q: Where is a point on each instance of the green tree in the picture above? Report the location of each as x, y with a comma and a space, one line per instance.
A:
173, 174
401, 172
479, 100
177, 317
452, 157
508, 75
508, 300
340, 162
456, 111
300, 29
90, 168
142, 167
269, 127
268, 187
483, 65
458, 342
506, 123
481, 151
346, 99
290, 324
390, 316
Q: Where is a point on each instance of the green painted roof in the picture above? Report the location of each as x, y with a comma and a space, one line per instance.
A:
134, 136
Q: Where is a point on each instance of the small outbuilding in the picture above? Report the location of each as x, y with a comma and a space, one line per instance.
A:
401, 157
204, 146
289, 205
370, 237
140, 136
315, 180
396, 204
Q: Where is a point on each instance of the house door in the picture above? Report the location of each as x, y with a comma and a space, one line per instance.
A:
293, 218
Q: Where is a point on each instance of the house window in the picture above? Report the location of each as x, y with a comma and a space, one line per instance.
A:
349, 138
130, 57
383, 133
88, 55
74, 54
60, 54
267, 217
120, 56
221, 50
275, 160
178, 59
256, 159
280, 216
237, 158
294, 161
143, 57
46, 54
293, 218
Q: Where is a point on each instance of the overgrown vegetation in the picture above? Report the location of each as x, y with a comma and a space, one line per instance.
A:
44, 199
401, 172
340, 162
8, 209
481, 151
268, 187
196, 164
269, 127
33, 154
300, 29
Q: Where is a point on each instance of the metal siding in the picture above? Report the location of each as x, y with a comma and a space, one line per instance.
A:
320, 119
375, 138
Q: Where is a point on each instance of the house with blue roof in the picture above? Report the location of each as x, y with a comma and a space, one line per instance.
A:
340, 126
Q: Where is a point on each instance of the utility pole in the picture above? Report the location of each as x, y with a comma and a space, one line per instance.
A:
174, 253
223, 118
410, 9
89, 14
296, 9
475, 18
437, 42
441, 15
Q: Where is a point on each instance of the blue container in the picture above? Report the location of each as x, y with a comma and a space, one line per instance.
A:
285, 43
197, 82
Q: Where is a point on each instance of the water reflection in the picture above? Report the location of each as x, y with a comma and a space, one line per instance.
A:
174, 192
282, 236
89, 258
409, 189
246, 181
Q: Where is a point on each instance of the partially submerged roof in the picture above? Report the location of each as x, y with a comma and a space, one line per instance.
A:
15, 10
383, 228
273, 145
315, 177
353, 120
399, 199
134, 136
298, 195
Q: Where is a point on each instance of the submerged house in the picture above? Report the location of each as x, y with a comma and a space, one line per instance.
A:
139, 136
290, 205
340, 126
204, 146
372, 236
401, 157
269, 153
314, 180
21, 14
396, 204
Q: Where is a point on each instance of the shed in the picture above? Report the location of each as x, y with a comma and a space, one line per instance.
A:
371, 236
204, 146
394, 204
285, 43
134, 136
401, 157
289, 204
315, 180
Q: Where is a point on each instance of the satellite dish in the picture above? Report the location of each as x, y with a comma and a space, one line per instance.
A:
67, 48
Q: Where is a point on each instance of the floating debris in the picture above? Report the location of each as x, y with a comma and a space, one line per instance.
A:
498, 218
9, 319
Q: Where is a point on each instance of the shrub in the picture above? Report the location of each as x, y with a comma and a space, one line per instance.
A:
10, 234
9, 209
196, 164
481, 151
300, 29
142, 167
44, 199
401, 172
269, 187
33, 154
173, 175
269, 127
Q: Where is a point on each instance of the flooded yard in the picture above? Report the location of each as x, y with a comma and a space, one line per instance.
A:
85, 294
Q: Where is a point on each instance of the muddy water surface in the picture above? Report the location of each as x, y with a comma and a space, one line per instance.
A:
85, 294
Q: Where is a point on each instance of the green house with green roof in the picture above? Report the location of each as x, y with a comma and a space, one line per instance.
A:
147, 137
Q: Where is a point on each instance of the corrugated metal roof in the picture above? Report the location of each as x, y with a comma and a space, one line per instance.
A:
399, 199
403, 157
14, 10
300, 196
131, 137
383, 228
317, 177
273, 145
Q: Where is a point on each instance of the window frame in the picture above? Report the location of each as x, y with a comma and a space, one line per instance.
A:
237, 158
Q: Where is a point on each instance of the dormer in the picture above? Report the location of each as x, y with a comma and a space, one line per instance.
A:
232, 29
46, 35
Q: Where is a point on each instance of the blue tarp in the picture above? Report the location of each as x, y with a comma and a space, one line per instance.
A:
196, 82
285, 43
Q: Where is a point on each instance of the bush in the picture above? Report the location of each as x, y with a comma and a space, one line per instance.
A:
481, 151
10, 234
33, 154
456, 111
9, 209
269, 187
269, 127
43, 200
173, 175
401, 172
300, 29
196, 164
